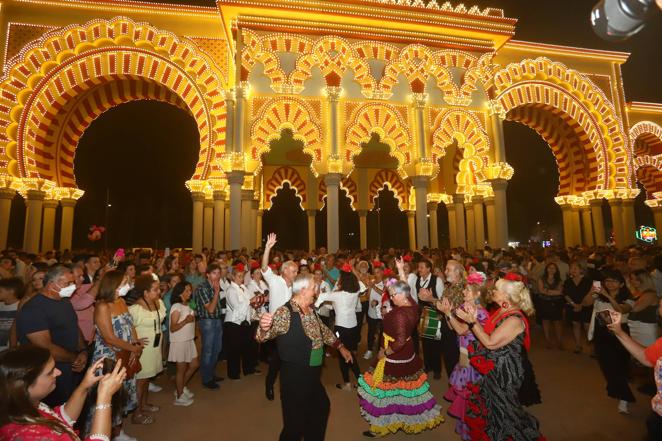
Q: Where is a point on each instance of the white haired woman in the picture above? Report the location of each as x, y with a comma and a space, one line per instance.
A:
505, 336
300, 337
394, 394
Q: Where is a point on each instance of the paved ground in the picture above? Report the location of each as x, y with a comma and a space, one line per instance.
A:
575, 407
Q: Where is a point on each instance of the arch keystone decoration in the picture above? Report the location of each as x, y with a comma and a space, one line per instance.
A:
44, 96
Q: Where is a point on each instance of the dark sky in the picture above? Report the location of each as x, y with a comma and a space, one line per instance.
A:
143, 152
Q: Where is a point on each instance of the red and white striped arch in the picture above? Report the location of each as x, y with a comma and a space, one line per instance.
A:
45, 97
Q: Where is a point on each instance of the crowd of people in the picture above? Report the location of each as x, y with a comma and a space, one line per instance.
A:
83, 335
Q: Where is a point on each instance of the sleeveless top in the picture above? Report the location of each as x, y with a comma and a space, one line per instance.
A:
295, 347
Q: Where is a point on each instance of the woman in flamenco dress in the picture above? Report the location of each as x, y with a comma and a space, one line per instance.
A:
494, 410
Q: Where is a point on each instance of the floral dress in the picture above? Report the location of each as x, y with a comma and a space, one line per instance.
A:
494, 411
394, 394
461, 379
123, 328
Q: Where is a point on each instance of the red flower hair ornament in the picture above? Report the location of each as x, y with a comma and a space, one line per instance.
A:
240, 267
347, 268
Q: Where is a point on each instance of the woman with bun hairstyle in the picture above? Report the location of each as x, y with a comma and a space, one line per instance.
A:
496, 413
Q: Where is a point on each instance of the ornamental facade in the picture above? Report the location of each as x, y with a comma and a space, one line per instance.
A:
432, 82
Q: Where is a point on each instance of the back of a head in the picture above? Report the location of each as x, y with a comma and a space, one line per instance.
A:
302, 281
517, 293
348, 282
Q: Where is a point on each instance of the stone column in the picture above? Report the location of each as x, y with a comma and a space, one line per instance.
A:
420, 99
67, 224
226, 228
471, 227
411, 227
198, 219
598, 221
6, 196
363, 228
333, 96
617, 221
310, 214
332, 228
495, 119
258, 225
434, 228
629, 222
479, 219
501, 212
460, 230
587, 226
421, 190
34, 201
238, 120
567, 225
491, 221
235, 180
452, 230
229, 121
576, 226
247, 227
208, 224
48, 225
219, 220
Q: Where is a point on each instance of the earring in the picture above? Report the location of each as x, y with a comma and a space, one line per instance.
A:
505, 305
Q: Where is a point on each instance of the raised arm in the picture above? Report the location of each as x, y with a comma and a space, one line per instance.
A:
633, 347
271, 241
504, 334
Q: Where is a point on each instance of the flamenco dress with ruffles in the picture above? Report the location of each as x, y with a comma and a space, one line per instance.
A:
464, 378
494, 410
394, 394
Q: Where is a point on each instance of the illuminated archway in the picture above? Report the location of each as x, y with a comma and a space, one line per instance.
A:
278, 179
575, 119
45, 97
394, 183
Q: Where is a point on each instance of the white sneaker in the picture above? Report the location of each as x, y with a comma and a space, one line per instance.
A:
154, 387
124, 437
186, 392
367, 355
183, 400
623, 407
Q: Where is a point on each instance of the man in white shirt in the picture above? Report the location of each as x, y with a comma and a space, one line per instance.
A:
432, 347
280, 292
376, 287
238, 327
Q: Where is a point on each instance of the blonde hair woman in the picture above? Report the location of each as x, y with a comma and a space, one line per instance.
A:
504, 337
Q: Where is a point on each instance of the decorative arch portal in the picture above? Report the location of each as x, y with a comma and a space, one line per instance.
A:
46, 93
646, 138
347, 184
579, 109
292, 114
387, 123
394, 183
649, 173
472, 155
278, 179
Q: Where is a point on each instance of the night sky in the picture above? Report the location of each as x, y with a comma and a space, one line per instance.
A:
141, 153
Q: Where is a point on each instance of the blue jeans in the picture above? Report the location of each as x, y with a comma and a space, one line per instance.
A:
212, 343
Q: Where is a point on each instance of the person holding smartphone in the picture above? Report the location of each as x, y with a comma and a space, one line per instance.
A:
614, 360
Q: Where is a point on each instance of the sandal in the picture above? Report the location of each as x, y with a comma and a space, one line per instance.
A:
151, 408
141, 418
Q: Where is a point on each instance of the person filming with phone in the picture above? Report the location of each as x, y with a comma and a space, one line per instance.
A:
650, 356
611, 295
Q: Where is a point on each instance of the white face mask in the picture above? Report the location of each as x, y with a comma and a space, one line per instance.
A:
67, 291
155, 277
123, 290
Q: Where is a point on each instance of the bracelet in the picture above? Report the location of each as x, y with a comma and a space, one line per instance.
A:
103, 406
99, 437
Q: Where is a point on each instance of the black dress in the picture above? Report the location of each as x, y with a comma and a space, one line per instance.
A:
577, 292
498, 401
